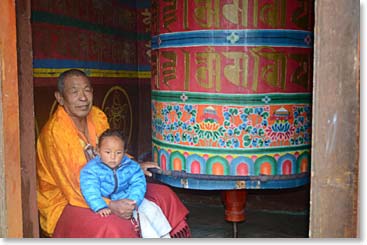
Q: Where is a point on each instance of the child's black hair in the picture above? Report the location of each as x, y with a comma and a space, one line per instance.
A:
113, 132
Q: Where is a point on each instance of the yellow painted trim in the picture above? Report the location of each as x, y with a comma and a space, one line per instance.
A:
55, 72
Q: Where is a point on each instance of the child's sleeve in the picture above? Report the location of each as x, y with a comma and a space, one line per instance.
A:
138, 184
90, 188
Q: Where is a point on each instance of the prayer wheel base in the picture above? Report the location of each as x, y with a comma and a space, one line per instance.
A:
235, 203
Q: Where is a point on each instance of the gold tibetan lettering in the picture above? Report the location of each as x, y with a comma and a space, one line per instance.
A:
233, 12
206, 13
256, 12
237, 68
302, 74
273, 67
300, 16
169, 13
186, 70
169, 66
208, 70
155, 67
274, 14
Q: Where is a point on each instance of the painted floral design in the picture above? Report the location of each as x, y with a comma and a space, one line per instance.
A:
232, 126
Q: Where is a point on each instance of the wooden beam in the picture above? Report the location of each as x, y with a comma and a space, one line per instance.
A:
27, 119
11, 215
335, 142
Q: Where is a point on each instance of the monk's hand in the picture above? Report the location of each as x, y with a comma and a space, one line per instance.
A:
123, 208
146, 165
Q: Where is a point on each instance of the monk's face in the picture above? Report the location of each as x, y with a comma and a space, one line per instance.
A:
77, 97
111, 151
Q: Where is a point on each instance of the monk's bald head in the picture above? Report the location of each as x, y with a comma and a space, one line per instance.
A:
66, 74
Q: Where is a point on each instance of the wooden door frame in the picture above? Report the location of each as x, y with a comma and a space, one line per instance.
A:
335, 148
335, 141
11, 202
27, 119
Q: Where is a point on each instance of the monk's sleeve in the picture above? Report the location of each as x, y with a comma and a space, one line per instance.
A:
50, 198
68, 155
64, 157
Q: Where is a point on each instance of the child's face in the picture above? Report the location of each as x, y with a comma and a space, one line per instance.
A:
111, 151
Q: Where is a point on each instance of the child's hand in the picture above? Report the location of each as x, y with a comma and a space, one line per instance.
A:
104, 212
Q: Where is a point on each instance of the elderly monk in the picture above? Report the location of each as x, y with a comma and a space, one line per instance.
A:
64, 145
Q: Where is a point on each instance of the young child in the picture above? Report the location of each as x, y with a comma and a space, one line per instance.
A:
112, 174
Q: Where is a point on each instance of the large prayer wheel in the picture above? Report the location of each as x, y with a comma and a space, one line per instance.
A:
232, 93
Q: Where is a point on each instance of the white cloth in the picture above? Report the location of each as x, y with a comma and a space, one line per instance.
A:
153, 223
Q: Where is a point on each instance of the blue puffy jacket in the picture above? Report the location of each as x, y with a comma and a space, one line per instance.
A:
98, 180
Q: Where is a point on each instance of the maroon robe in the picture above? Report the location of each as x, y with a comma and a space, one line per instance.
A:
77, 222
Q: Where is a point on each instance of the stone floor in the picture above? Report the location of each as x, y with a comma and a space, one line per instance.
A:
268, 214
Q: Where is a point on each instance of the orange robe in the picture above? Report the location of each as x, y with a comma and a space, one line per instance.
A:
59, 160
63, 211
